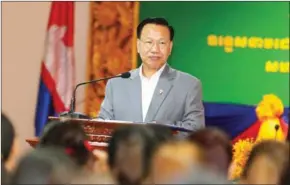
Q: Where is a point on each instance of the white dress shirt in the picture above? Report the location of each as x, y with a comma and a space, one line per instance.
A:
148, 86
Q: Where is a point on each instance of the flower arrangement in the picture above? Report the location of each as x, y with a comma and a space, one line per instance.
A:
268, 111
241, 151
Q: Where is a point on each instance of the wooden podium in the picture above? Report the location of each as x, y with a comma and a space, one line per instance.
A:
99, 131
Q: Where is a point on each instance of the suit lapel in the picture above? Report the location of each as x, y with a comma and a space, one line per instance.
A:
135, 95
162, 89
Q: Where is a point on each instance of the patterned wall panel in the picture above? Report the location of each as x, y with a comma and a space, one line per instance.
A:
112, 46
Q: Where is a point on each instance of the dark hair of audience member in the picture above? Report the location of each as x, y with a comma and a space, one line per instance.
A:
130, 151
7, 142
276, 151
70, 136
44, 166
7, 137
162, 133
217, 147
285, 180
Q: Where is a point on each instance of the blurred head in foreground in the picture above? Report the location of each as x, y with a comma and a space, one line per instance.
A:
217, 148
9, 143
174, 158
72, 138
45, 166
129, 154
267, 162
285, 180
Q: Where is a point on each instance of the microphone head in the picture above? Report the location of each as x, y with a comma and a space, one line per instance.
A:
126, 75
277, 127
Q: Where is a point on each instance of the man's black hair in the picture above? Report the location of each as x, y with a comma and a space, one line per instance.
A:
158, 21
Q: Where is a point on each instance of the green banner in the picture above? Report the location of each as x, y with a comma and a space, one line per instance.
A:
239, 50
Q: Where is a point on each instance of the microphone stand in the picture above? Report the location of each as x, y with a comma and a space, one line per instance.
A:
71, 113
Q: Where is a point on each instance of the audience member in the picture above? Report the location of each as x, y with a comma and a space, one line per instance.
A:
195, 175
9, 148
45, 166
217, 148
5, 176
266, 163
72, 138
162, 133
285, 180
173, 158
86, 177
129, 154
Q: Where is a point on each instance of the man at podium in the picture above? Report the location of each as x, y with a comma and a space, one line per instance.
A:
155, 92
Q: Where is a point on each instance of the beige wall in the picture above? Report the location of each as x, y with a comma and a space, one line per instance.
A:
23, 34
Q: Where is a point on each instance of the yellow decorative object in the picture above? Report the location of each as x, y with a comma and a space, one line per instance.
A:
269, 112
241, 151
267, 130
270, 107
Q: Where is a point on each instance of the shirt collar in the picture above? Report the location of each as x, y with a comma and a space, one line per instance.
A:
157, 74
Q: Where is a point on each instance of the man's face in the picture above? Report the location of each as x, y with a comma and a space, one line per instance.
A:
154, 46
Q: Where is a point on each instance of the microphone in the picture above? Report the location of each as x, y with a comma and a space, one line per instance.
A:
276, 130
71, 113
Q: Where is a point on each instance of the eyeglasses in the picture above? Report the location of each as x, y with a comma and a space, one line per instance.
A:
150, 43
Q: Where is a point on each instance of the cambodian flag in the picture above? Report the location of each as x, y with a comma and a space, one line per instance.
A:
57, 76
